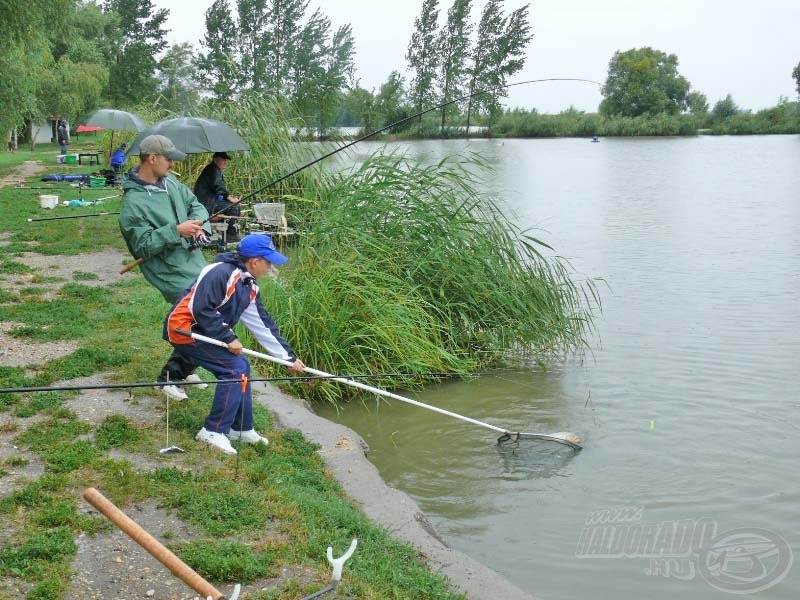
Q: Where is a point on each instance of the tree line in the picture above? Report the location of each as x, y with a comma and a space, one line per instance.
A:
64, 58
645, 94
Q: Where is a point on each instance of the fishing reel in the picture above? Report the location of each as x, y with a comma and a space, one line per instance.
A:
199, 241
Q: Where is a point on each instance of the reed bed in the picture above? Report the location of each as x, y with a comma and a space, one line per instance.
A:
267, 126
406, 267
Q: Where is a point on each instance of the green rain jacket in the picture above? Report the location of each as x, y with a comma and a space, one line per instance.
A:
148, 221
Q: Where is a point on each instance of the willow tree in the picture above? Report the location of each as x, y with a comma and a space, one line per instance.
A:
390, 104
725, 109
697, 103
178, 78
140, 38
53, 56
280, 44
498, 54
217, 68
338, 70
278, 52
309, 66
321, 69
252, 28
24, 55
796, 75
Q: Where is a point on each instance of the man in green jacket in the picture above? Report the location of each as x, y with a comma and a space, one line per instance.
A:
164, 224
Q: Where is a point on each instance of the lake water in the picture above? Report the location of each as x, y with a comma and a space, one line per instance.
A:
687, 400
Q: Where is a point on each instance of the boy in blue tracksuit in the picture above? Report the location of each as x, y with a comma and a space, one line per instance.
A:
225, 293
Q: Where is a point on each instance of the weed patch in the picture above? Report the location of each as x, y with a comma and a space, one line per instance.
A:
225, 561
114, 432
11, 267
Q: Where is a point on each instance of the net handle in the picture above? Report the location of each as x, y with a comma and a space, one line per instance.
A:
378, 391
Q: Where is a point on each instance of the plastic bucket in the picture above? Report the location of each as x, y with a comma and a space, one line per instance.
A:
71, 159
97, 182
48, 201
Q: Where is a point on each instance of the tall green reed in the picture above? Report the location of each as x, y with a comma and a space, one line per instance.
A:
406, 267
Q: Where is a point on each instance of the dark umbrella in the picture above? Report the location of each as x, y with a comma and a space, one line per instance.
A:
115, 120
194, 135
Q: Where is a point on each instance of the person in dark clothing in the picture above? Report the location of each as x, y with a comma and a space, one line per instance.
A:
211, 191
63, 135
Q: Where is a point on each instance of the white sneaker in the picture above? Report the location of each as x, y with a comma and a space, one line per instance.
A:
251, 436
215, 439
173, 391
192, 377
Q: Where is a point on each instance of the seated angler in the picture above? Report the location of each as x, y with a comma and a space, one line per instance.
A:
119, 158
211, 191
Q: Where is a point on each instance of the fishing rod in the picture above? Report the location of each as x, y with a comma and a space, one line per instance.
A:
89, 203
100, 214
112, 386
139, 261
43, 187
404, 120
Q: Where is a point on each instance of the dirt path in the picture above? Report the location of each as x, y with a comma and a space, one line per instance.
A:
22, 173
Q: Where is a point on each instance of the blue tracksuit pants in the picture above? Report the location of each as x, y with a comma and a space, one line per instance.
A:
232, 408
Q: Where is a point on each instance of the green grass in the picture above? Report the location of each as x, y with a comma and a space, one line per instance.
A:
11, 267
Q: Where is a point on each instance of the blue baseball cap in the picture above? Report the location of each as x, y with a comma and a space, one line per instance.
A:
259, 245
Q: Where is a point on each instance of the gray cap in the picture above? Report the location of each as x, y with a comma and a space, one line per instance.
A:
158, 144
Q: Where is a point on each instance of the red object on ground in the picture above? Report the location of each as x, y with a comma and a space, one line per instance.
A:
88, 128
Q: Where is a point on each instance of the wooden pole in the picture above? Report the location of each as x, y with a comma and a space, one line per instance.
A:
131, 266
179, 568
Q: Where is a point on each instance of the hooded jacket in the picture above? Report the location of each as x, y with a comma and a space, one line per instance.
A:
118, 158
148, 221
224, 294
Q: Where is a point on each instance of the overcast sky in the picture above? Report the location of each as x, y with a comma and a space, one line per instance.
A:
746, 49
